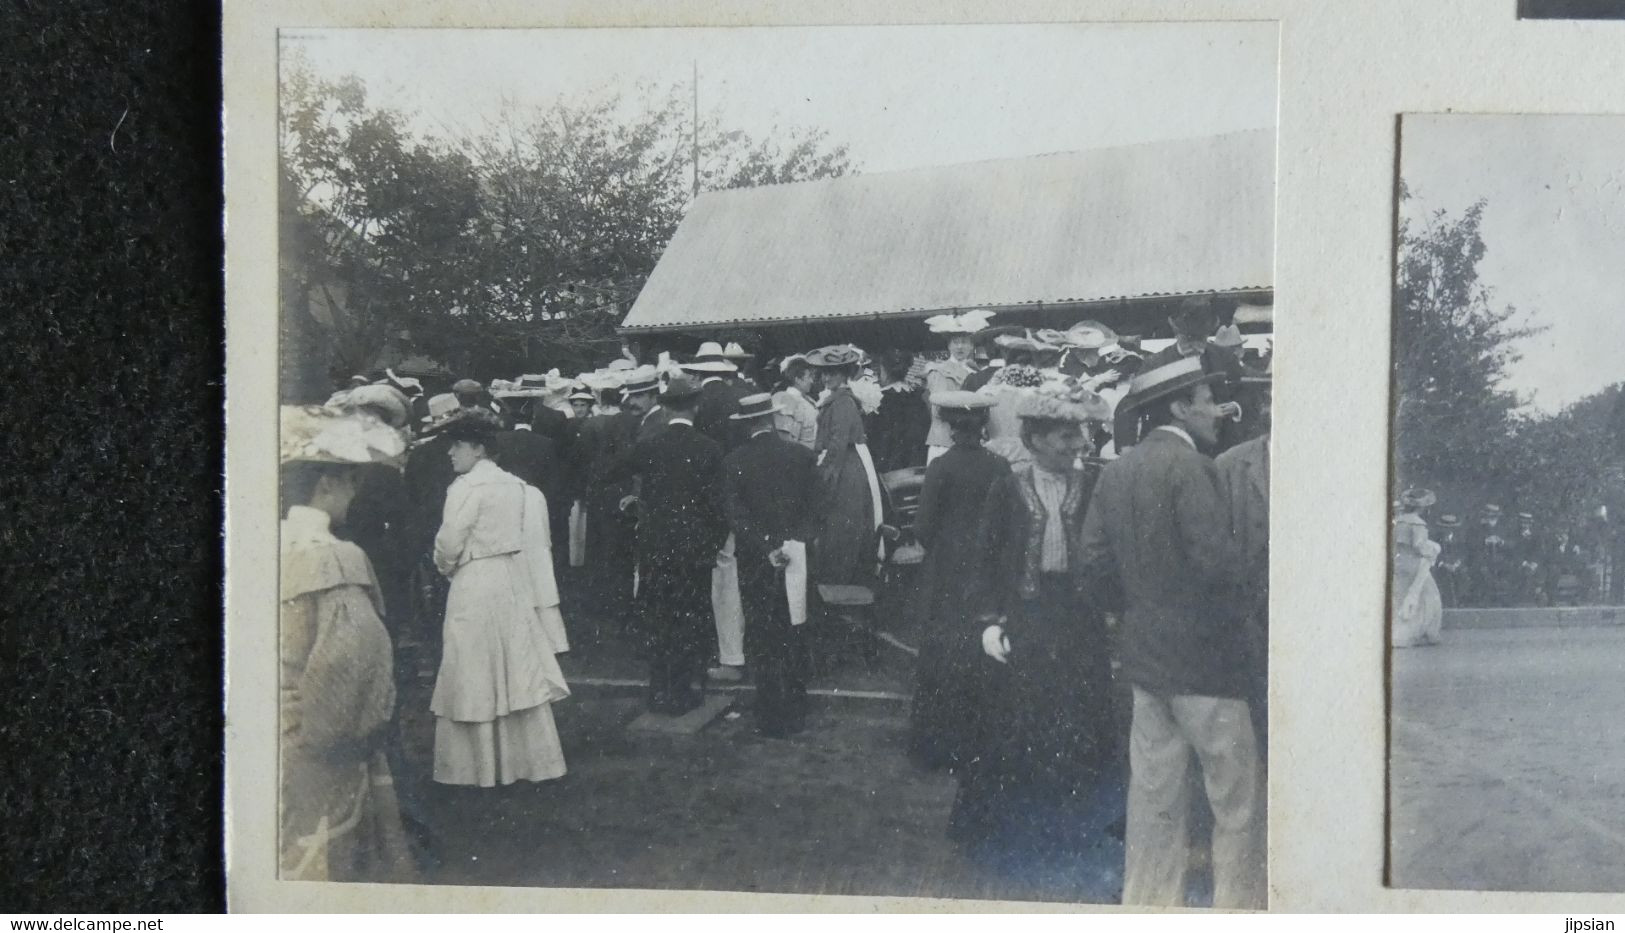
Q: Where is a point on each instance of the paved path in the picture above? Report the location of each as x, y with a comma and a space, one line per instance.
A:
1508, 761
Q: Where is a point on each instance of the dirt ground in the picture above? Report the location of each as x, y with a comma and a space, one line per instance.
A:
838, 809
1507, 769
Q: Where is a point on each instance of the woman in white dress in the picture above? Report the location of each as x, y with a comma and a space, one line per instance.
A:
1418, 613
499, 674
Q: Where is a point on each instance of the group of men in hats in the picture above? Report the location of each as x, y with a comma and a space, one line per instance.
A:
1493, 564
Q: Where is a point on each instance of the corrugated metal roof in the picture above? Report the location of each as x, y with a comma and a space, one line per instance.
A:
1164, 218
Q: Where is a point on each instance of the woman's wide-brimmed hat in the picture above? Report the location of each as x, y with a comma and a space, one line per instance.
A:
958, 325
470, 427
960, 400
324, 434
1027, 342
680, 388
1089, 335
387, 402
710, 359
1417, 498
755, 406
1064, 403
836, 356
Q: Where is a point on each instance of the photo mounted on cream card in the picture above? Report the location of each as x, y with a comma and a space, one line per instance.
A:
822, 460
1508, 589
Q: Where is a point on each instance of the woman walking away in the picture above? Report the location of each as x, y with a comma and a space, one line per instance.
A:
340, 818
499, 674
1418, 611
846, 550
1046, 779
947, 524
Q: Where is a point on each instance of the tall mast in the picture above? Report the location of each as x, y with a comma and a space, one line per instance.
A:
695, 136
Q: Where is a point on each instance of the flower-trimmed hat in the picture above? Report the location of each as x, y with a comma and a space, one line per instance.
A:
322, 434
1064, 402
958, 325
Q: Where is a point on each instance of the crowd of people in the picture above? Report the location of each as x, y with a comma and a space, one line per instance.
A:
1093, 596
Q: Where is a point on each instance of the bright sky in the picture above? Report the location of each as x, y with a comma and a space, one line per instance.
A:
1554, 233
899, 96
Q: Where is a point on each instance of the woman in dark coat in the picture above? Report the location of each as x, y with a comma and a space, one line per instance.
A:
947, 524
1046, 779
897, 431
845, 552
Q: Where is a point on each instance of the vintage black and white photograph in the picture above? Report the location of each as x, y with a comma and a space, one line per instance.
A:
1571, 9
1508, 585
835, 460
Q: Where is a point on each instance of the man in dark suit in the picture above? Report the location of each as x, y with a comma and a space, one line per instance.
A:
719, 397
682, 526
536, 459
1158, 534
769, 490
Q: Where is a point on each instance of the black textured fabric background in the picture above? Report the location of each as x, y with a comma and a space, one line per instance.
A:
111, 330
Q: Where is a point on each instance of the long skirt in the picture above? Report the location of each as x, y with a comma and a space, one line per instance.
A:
1047, 740
340, 818
1424, 624
498, 677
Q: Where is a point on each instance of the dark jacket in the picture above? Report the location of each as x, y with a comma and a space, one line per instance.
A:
1158, 529
719, 399
948, 524
680, 473
1012, 538
550, 423
535, 459
770, 493
428, 476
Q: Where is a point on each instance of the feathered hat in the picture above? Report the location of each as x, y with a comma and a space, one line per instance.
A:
1064, 402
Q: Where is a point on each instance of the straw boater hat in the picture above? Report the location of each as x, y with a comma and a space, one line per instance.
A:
1416, 498
755, 406
323, 434
579, 390
1492, 509
640, 380
1064, 403
680, 388
1449, 521
710, 359
1148, 385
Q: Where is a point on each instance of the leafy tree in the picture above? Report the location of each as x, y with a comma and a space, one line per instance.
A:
522, 247
1452, 346
379, 229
